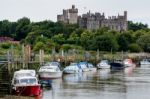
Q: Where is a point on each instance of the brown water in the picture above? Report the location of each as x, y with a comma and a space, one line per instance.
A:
103, 84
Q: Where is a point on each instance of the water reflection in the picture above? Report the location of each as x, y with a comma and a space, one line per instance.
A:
104, 74
129, 83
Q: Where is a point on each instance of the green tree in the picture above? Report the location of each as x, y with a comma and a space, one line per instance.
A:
134, 48
5, 27
136, 26
105, 43
85, 38
144, 42
38, 46
59, 38
124, 40
73, 39
23, 28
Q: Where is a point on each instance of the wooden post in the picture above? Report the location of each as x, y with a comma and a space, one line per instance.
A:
8, 60
23, 56
41, 56
27, 54
53, 53
97, 55
12, 57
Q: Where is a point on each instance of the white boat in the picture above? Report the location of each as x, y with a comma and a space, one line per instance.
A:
104, 64
25, 83
72, 68
145, 62
128, 63
50, 70
84, 66
91, 67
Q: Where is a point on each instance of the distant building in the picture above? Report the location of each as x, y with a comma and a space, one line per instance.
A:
93, 21
69, 16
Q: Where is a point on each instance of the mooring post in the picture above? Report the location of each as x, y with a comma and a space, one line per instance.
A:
8, 61
23, 56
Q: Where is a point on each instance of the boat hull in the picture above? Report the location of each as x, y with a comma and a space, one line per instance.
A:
85, 69
104, 67
92, 69
27, 90
71, 71
117, 66
144, 63
50, 75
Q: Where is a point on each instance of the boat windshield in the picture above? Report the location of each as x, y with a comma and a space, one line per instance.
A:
52, 64
49, 67
28, 81
104, 61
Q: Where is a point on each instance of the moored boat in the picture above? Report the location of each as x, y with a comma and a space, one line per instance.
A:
25, 83
128, 63
72, 69
104, 64
84, 66
117, 65
145, 62
50, 70
91, 67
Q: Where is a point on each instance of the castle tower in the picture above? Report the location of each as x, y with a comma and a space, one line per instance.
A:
125, 21
66, 15
73, 15
125, 15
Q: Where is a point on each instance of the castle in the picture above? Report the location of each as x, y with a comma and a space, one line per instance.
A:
93, 21
69, 16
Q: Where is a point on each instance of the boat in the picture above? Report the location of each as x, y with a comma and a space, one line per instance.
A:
72, 68
128, 63
117, 65
91, 67
145, 62
50, 70
25, 83
84, 66
104, 64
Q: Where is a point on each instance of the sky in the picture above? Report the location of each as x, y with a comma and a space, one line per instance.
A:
39, 10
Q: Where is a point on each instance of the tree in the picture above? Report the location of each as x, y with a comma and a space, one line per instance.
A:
105, 43
31, 37
23, 28
124, 40
59, 38
144, 42
134, 48
136, 26
5, 28
73, 39
85, 39
38, 46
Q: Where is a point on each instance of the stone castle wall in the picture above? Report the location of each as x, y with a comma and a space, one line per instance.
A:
92, 21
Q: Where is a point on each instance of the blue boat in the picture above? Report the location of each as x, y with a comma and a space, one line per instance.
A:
72, 69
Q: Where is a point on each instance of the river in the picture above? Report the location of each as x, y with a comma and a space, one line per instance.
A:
103, 84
